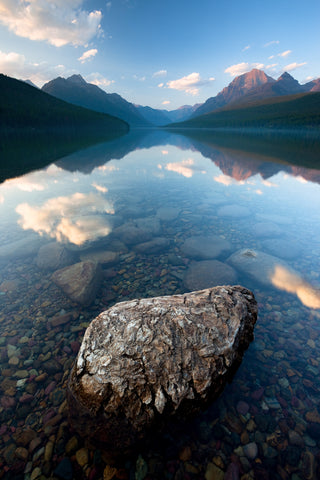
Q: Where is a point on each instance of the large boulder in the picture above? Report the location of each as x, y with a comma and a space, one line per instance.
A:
80, 282
144, 361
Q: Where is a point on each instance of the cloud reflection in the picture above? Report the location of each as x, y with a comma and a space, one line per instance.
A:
284, 279
183, 168
100, 188
227, 180
77, 218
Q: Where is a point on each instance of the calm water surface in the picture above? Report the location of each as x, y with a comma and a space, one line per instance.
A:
159, 202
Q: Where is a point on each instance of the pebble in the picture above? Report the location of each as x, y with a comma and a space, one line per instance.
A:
295, 439
308, 466
34, 444
36, 473
313, 416
64, 470
82, 456
141, 468
272, 403
48, 451
213, 472
72, 445
242, 407
109, 472
185, 454
22, 453
14, 361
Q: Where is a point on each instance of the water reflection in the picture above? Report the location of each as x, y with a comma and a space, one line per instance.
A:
160, 212
231, 154
73, 219
183, 168
289, 281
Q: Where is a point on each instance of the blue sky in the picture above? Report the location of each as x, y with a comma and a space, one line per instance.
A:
164, 53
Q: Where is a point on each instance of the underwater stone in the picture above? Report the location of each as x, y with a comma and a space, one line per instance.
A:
80, 282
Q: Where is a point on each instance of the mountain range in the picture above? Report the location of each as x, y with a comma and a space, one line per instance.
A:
245, 89
253, 86
24, 106
77, 91
51, 126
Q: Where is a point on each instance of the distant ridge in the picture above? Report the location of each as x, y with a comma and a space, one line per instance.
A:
287, 111
77, 91
255, 86
239, 87
23, 106
163, 117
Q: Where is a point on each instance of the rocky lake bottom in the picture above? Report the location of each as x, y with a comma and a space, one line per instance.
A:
165, 240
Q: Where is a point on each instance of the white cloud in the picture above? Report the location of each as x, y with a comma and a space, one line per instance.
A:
183, 168
99, 80
26, 184
140, 79
246, 48
293, 66
273, 65
284, 54
267, 183
273, 42
241, 68
100, 188
225, 180
59, 22
15, 65
166, 102
290, 281
161, 85
87, 55
78, 218
160, 73
189, 84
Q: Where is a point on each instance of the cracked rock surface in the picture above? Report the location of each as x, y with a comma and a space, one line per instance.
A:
143, 361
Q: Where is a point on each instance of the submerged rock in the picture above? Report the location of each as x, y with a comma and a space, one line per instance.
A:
155, 245
205, 247
143, 361
53, 256
208, 273
80, 282
104, 257
272, 271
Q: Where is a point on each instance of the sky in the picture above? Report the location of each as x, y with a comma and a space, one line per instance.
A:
165, 53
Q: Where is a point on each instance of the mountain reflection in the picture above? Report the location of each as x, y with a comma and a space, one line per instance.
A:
77, 218
237, 158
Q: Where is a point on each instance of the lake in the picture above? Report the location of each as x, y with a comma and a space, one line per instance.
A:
159, 202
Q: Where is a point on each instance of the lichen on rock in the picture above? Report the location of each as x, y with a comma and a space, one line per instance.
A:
143, 361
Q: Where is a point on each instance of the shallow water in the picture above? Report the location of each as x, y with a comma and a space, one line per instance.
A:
267, 422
